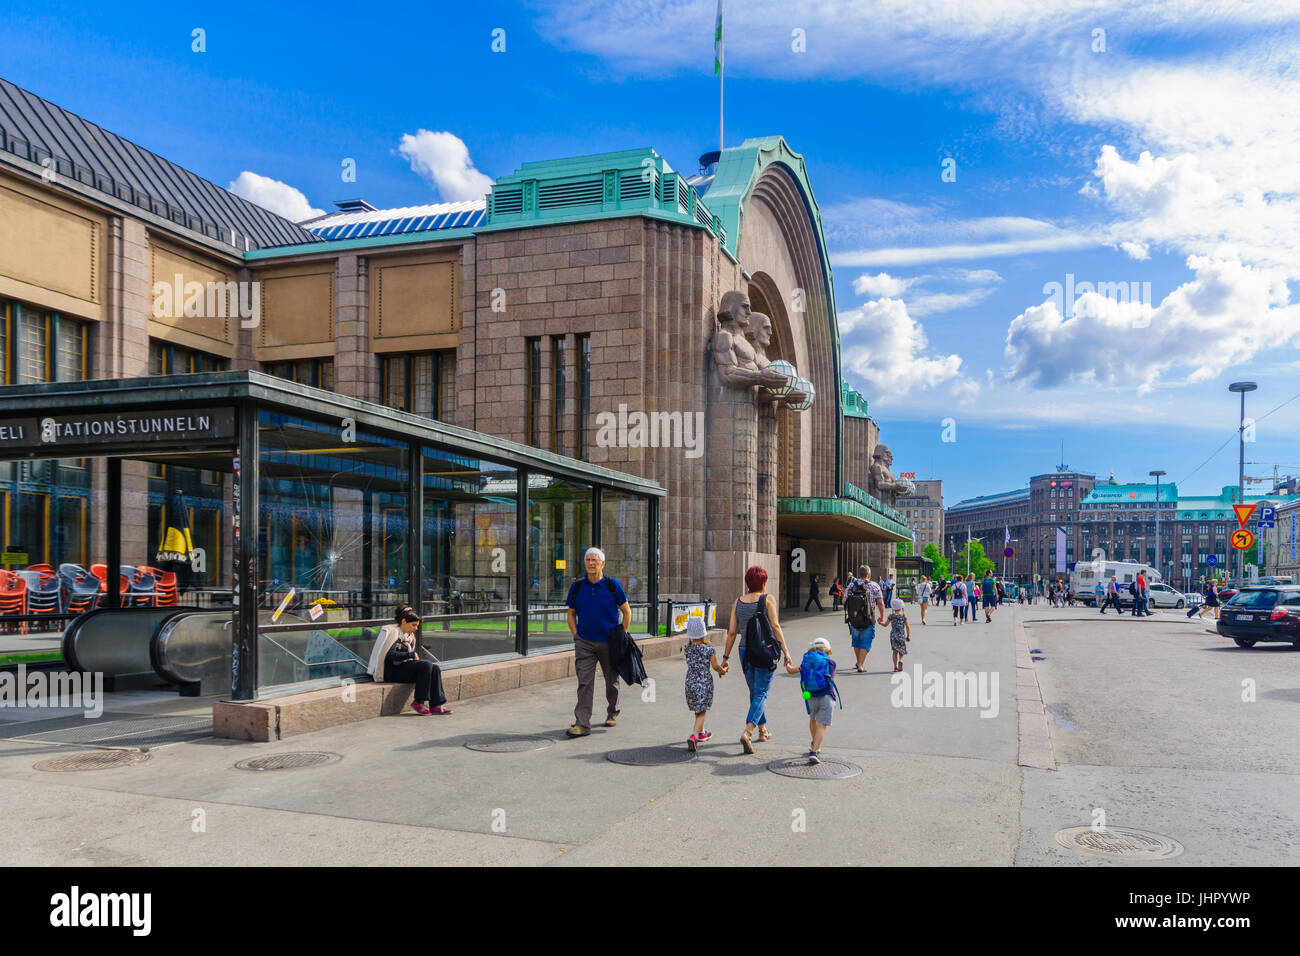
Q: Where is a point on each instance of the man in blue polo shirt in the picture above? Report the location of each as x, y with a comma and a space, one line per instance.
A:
595, 605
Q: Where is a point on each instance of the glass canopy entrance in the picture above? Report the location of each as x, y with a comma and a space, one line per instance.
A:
292, 521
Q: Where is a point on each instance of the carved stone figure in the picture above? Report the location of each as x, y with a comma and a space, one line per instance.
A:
885, 486
759, 335
733, 353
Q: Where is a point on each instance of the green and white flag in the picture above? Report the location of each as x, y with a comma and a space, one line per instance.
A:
717, 43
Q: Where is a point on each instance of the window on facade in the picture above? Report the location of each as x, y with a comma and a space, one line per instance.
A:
559, 393
318, 373
423, 383
533, 355
168, 359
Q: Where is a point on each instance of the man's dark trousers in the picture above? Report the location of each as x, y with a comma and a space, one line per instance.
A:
586, 654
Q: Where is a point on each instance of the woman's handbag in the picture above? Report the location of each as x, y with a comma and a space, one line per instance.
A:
400, 653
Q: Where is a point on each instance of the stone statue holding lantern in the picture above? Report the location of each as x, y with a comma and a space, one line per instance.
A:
740, 354
884, 485
795, 392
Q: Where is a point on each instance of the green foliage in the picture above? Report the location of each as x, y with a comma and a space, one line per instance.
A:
971, 557
903, 549
940, 562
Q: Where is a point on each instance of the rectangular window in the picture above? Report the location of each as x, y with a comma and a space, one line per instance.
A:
33, 342
558, 394
584, 392
168, 359
318, 373
533, 356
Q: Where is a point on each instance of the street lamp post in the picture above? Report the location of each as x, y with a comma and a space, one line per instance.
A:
1157, 473
1242, 388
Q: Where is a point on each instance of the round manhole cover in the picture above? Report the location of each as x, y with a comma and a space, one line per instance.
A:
93, 760
1119, 843
288, 761
826, 770
650, 756
509, 744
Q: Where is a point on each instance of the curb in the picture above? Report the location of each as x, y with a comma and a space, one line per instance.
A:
1035, 729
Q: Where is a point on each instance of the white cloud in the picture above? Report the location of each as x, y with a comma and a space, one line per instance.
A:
278, 197
443, 159
890, 352
1224, 316
882, 285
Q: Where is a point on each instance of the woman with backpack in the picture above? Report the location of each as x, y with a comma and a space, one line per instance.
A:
958, 600
754, 616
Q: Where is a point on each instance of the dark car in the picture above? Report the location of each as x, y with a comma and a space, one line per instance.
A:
1270, 613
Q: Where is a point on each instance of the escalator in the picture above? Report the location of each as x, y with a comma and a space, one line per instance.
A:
190, 648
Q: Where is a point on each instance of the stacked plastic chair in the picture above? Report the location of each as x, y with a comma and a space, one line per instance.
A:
81, 589
13, 596
44, 595
164, 585
141, 587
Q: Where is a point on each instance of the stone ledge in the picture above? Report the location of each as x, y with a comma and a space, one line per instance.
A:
274, 719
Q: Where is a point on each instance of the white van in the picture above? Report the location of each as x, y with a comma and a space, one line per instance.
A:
1086, 574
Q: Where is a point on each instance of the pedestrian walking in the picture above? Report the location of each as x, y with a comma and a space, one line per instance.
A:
1112, 596
973, 597
757, 606
924, 589
958, 600
989, 590
1211, 602
837, 594
900, 632
1099, 594
700, 656
941, 592
863, 607
812, 593
817, 682
595, 603
888, 588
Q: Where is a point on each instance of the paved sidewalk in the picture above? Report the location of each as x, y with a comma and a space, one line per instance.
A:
938, 785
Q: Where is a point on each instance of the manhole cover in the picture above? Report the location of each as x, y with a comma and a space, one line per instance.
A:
509, 744
288, 761
826, 770
650, 756
1119, 843
94, 760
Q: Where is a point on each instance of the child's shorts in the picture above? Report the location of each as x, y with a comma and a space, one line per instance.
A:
821, 708
861, 637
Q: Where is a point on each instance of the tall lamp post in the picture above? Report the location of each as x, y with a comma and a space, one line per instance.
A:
1157, 475
1242, 388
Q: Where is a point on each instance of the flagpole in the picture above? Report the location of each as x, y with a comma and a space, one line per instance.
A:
722, 72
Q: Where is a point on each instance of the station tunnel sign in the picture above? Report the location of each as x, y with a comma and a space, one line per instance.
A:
116, 428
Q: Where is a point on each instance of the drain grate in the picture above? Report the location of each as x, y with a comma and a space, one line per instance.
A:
509, 743
1119, 843
289, 761
826, 770
139, 732
94, 760
650, 756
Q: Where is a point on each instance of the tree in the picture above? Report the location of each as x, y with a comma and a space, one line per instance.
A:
971, 558
903, 549
940, 562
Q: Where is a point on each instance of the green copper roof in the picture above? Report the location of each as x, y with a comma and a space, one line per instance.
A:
845, 508
852, 403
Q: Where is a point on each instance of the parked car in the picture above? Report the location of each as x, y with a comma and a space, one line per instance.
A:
1162, 595
1270, 613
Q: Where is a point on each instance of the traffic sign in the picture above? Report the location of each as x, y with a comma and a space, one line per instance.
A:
1242, 539
1267, 517
1211, 560
1243, 513
1008, 552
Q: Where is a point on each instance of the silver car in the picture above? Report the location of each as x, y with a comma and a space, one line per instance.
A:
1162, 595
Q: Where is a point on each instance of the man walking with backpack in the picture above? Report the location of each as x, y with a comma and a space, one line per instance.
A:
595, 605
863, 606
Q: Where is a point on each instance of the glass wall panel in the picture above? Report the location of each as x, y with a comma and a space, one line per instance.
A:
625, 539
332, 532
559, 531
470, 534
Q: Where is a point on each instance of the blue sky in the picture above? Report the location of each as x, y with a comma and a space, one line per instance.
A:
1164, 150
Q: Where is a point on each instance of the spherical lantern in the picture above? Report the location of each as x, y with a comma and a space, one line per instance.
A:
791, 376
805, 386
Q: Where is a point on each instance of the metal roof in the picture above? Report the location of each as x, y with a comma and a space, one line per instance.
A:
386, 222
40, 132
984, 501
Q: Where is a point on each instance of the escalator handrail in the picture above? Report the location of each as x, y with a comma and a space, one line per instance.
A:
163, 628
75, 625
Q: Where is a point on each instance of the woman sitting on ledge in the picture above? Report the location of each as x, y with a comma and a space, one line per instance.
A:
395, 648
